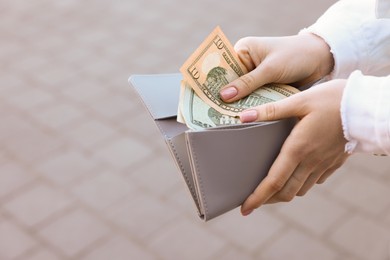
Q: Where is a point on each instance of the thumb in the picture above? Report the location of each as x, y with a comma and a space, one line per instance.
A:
292, 106
245, 84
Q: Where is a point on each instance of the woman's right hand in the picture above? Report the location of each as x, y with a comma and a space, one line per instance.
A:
297, 60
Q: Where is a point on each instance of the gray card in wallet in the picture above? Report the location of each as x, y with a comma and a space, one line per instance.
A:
221, 166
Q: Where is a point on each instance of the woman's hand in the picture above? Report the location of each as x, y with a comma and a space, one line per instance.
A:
299, 60
313, 150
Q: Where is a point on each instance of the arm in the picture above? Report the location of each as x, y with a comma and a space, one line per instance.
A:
360, 42
357, 39
365, 111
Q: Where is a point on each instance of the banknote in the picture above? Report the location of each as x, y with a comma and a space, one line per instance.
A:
198, 115
212, 66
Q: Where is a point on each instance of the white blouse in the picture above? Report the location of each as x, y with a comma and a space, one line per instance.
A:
358, 33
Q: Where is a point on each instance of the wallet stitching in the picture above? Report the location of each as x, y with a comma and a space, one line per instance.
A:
181, 167
161, 129
200, 181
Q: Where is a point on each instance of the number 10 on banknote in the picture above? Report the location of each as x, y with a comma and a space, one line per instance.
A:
213, 65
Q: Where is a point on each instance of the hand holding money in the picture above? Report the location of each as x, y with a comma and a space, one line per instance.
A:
212, 66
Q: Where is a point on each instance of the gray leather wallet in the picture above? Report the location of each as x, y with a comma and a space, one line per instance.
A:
221, 166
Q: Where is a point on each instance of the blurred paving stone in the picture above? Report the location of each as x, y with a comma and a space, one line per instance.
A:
198, 241
367, 194
251, 232
89, 133
103, 189
66, 166
160, 177
119, 248
74, 232
13, 177
26, 141
371, 165
40, 255
180, 197
387, 216
115, 106
85, 91
36, 204
363, 237
59, 115
143, 216
230, 253
14, 241
30, 98
123, 152
315, 212
296, 245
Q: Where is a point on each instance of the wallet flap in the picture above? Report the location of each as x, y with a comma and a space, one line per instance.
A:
178, 149
169, 127
160, 93
229, 163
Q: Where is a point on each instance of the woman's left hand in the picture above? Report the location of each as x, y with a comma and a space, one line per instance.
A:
313, 150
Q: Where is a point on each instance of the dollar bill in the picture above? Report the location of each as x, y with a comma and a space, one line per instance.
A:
198, 115
213, 65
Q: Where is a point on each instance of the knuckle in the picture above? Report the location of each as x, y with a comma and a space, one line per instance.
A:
247, 83
270, 111
299, 178
321, 181
269, 67
241, 44
301, 193
275, 184
297, 148
286, 196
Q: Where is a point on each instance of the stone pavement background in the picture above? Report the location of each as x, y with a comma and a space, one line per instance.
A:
84, 173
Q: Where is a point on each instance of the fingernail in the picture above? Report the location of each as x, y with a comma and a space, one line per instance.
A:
246, 213
248, 115
228, 93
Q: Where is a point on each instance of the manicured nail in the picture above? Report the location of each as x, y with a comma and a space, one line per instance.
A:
228, 93
248, 116
246, 213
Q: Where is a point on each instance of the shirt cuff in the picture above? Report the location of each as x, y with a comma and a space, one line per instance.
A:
365, 114
339, 27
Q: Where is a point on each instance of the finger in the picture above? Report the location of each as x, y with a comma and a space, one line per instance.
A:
327, 174
277, 177
243, 86
293, 106
321, 176
292, 186
243, 51
313, 178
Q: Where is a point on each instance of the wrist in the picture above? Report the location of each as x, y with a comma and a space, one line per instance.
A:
320, 50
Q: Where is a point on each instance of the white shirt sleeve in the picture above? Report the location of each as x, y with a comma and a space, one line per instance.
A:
358, 34
365, 113
358, 39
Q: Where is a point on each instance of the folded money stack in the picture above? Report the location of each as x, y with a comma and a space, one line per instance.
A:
213, 65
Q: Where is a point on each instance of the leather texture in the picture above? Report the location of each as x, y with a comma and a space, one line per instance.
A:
221, 166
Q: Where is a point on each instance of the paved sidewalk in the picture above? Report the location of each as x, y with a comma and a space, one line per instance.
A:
84, 173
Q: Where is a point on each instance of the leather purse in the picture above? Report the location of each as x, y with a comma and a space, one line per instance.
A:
221, 166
